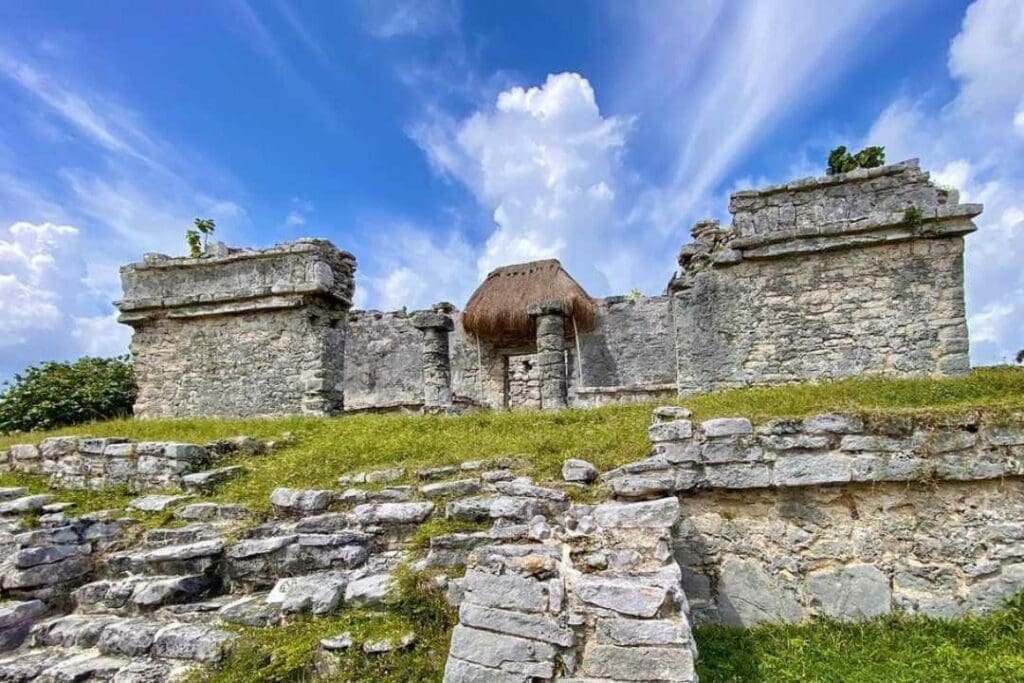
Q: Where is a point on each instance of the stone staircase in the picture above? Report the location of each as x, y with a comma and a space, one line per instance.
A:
553, 590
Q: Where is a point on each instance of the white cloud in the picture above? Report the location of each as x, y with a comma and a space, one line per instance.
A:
44, 294
410, 266
544, 162
971, 144
101, 335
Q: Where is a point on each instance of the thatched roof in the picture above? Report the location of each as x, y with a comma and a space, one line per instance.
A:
497, 311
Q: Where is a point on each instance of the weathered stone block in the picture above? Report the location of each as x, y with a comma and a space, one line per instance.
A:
726, 426
807, 470
853, 592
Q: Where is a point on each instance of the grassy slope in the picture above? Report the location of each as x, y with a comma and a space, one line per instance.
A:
896, 649
328, 447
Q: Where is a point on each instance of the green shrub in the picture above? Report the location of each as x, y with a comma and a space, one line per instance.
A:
841, 161
53, 395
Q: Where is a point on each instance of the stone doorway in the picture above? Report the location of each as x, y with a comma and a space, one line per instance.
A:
522, 382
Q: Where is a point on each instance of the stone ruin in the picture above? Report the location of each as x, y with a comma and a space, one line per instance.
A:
820, 278
726, 522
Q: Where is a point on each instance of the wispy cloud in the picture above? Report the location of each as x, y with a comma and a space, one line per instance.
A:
108, 127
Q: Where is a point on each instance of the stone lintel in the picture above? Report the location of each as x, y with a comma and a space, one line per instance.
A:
553, 307
425, 320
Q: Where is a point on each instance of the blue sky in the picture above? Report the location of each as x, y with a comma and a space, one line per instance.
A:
436, 140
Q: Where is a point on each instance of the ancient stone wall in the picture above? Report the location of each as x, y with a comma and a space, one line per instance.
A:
248, 333
820, 278
826, 277
383, 365
840, 516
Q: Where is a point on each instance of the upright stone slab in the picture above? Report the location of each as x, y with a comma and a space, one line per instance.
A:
437, 372
242, 334
550, 318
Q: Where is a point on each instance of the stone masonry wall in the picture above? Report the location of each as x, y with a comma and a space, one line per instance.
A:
383, 365
249, 333
73, 462
840, 516
826, 277
629, 356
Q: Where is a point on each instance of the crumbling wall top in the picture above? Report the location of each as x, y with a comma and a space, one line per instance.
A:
846, 202
240, 279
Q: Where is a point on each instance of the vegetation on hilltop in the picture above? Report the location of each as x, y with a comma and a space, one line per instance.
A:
325, 448
53, 395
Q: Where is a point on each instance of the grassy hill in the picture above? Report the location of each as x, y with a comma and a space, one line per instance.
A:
892, 649
324, 448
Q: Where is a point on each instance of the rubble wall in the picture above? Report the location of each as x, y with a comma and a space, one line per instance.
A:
840, 516
826, 278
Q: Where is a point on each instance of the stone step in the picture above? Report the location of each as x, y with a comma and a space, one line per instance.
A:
201, 557
142, 593
190, 533
134, 637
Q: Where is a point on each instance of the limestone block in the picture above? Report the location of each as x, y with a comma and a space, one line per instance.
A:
192, 642
806, 470
676, 430
628, 595
456, 487
300, 501
833, 423
670, 664
393, 513
579, 471
316, 593
726, 426
853, 592
633, 632
503, 652
738, 475
534, 626
748, 595
653, 514
369, 590
505, 591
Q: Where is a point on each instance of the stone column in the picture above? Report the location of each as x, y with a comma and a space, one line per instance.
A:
437, 371
550, 318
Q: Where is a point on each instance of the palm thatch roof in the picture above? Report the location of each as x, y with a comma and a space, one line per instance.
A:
497, 311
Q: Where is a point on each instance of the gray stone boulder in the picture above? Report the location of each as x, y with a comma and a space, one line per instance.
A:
578, 471
317, 593
300, 501
393, 513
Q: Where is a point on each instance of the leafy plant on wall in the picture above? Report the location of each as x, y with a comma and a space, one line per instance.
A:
841, 161
198, 236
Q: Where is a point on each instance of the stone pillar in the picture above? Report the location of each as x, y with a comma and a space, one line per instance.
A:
550, 318
437, 371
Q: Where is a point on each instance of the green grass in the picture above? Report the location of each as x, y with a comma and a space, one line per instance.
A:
895, 649
286, 653
325, 448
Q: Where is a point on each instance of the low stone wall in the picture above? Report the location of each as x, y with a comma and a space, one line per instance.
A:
839, 515
96, 463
